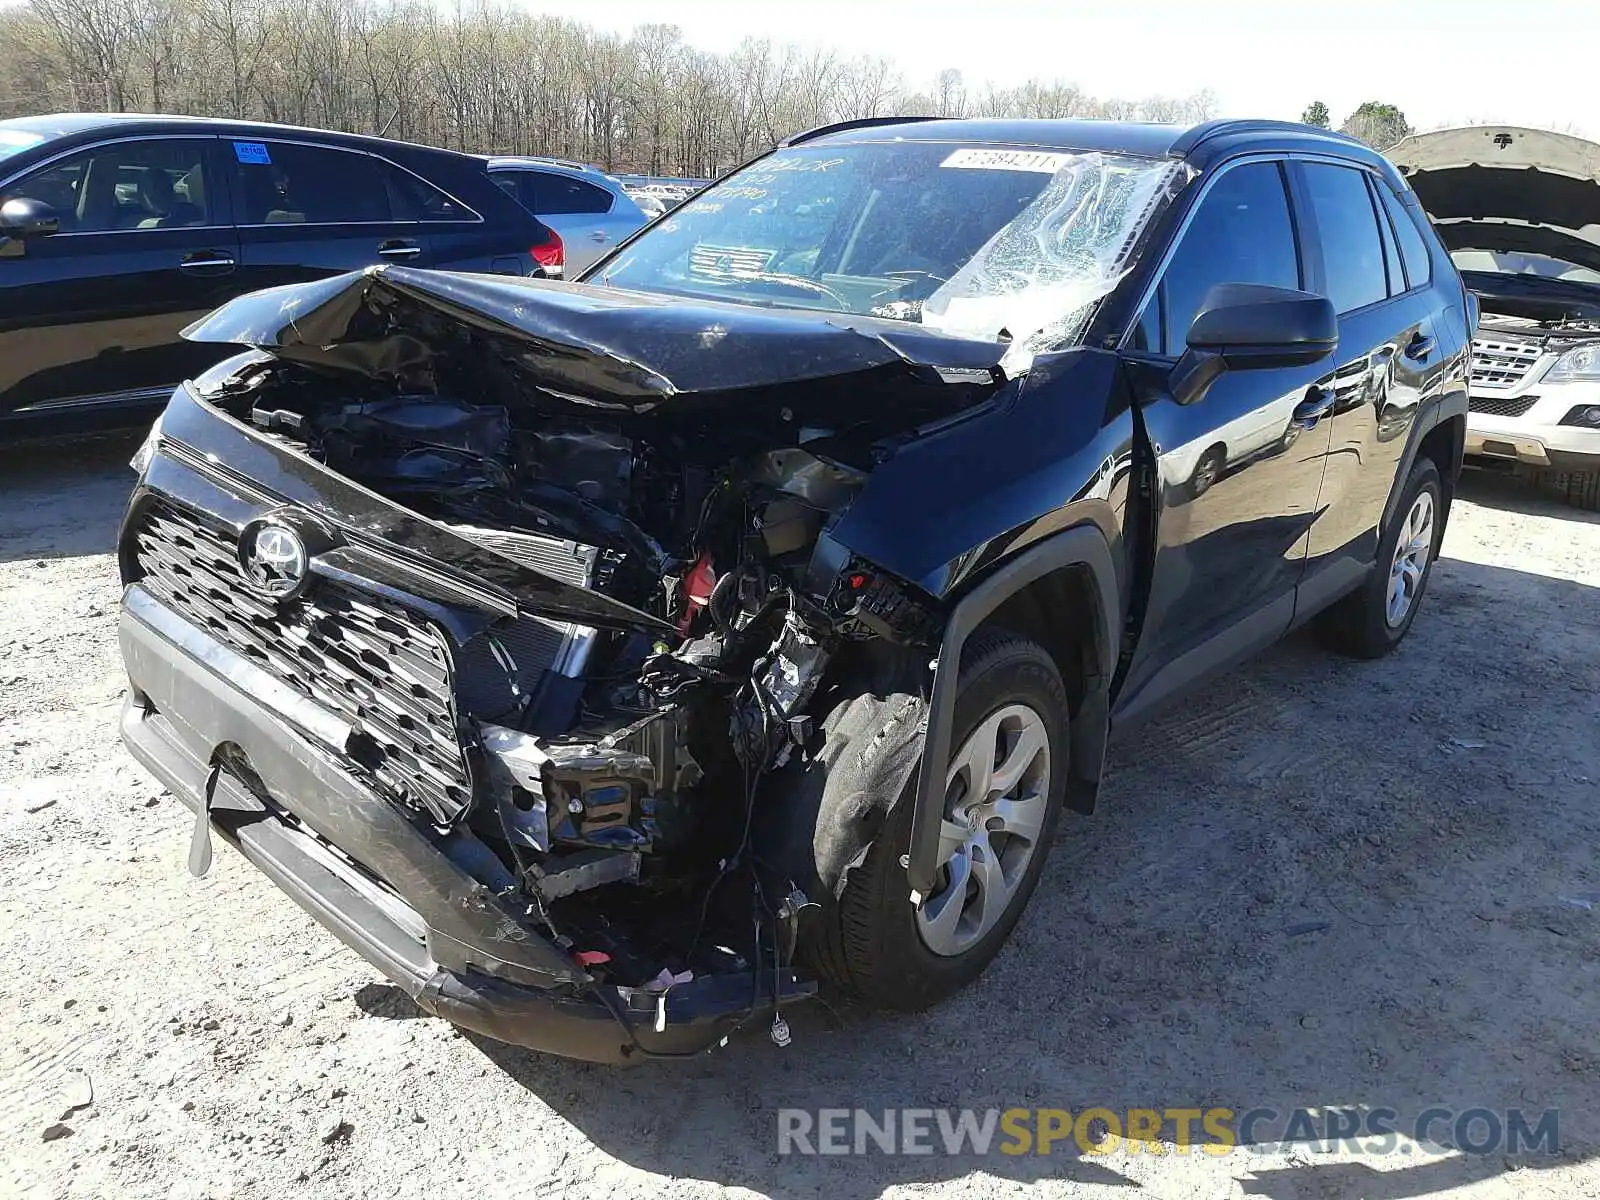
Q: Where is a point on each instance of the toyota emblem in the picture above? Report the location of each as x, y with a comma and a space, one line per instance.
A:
274, 560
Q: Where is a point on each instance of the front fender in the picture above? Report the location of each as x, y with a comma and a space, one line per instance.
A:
950, 505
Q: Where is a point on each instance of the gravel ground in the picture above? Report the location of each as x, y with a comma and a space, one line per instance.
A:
1319, 883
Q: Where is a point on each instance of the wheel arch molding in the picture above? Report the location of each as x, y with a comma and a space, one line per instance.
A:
1078, 558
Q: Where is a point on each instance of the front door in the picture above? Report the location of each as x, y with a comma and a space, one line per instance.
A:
91, 315
1238, 470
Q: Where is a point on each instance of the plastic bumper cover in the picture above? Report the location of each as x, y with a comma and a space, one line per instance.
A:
431, 929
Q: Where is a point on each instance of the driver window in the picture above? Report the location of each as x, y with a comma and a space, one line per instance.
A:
1241, 233
127, 185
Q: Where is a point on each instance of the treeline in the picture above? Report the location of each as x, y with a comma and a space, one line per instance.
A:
492, 78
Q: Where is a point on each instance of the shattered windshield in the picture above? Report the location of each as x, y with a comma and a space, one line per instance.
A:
988, 242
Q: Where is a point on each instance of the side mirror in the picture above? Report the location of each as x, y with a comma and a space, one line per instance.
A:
24, 218
1250, 326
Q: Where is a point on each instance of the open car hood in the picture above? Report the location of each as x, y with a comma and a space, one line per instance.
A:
600, 347
1508, 189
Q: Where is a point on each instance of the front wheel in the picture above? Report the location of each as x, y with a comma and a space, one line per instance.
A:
1371, 621
1207, 471
1003, 795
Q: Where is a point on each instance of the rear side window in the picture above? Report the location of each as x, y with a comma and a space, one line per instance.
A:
1352, 250
1413, 250
561, 195
286, 183
1241, 233
155, 184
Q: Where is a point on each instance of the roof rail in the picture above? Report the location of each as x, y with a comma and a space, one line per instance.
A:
1190, 139
547, 160
857, 123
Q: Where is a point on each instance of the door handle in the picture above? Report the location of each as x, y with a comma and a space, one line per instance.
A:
599, 235
399, 249
1419, 347
207, 262
1317, 404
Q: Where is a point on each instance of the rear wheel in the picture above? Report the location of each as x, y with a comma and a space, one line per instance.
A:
1002, 802
1371, 621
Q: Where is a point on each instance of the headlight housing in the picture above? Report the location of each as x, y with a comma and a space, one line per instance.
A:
1580, 364
140, 462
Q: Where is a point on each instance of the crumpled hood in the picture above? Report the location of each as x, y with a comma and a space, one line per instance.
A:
601, 346
1503, 188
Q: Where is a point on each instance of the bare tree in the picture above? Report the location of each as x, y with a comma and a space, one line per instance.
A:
485, 76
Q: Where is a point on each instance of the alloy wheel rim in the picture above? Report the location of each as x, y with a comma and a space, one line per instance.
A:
995, 795
1412, 551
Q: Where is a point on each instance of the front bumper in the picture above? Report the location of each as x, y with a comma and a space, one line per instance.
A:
1536, 436
368, 873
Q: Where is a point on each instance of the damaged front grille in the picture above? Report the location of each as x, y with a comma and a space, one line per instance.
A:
386, 670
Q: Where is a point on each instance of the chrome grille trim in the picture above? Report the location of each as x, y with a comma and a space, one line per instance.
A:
729, 260
1502, 362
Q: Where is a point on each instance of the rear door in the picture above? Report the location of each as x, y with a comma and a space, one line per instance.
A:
305, 210
1239, 469
91, 315
1387, 366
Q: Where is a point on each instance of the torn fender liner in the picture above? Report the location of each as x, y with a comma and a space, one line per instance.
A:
618, 349
836, 804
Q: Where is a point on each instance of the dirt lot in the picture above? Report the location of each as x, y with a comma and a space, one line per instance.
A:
1320, 883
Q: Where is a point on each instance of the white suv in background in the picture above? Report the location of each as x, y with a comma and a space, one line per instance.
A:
1519, 210
588, 209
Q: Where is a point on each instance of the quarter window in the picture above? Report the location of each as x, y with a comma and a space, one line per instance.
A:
1241, 233
125, 185
1413, 250
415, 199
1391, 256
285, 183
1347, 226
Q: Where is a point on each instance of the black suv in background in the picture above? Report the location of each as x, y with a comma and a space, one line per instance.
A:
118, 231
610, 661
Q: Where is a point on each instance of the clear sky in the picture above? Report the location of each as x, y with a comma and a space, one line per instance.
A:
1525, 62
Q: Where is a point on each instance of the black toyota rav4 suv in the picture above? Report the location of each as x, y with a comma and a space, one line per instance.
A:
612, 661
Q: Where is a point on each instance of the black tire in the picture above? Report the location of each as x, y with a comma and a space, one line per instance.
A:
1577, 489
1358, 624
867, 942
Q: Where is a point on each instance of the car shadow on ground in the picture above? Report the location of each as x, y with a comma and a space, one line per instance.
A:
64, 499
1275, 908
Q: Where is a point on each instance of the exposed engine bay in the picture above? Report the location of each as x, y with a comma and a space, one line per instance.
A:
623, 771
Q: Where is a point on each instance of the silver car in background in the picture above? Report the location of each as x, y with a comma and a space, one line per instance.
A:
589, 210
1519, 210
